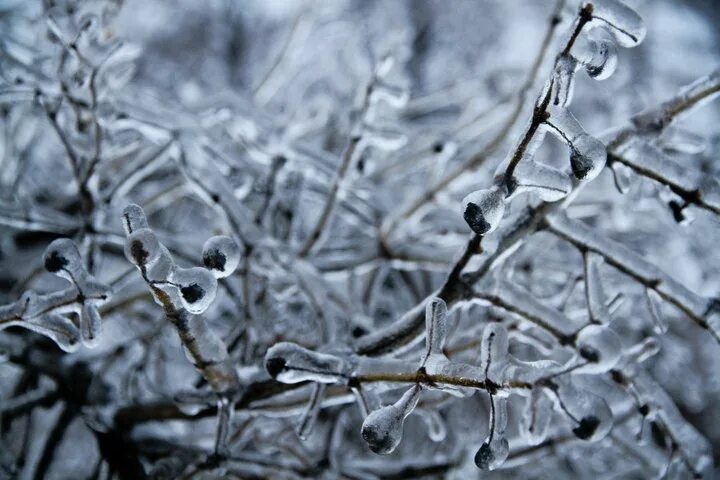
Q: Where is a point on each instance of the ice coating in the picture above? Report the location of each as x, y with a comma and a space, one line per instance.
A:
588, 155
197, 287
549, 183
596, 299
494, 351
590, 413
221, 255
383, 428
483, 209
600, 59
621, 21
290, 363
563, 85
537, 417
495, 449
600, 346
435, 328
142, 247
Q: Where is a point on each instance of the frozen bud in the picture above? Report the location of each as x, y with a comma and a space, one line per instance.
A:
600, 60
483, 209
600, 346
587, 157
620, 21
197, 288
435, 327
221, 255
383, 428
142, 247
62, 258
549, 183
492, 455
591, 415
134, 218
290, 363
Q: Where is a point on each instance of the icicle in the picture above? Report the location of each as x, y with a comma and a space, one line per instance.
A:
494, 352
483, 209
537, 416
596, 299
600, 346
621, 21
494, 450
383, 428
437, 430
653, 302
290, 363
549, 183
221, 255
435, 329
309, 416
587, 154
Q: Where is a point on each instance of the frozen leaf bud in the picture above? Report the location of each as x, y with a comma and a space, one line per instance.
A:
483, 209
142, 247
600, 59
587, 154
197, 287
492, 455
134, 218
591, 415
290, 363
62, 258
383, 428
619, 20
221, 255
435, 327
600, 346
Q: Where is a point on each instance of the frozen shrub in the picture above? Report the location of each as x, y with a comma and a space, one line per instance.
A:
400, 239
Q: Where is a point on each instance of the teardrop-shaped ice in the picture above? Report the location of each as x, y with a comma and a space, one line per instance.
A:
589, 413
435, 328
63, 259
483, 209
221, 255
549, 183
600, 346
197, 288
290, 363
492, 455
142, 247
587, 157
621, 21
383, 428
58, 328
600, 59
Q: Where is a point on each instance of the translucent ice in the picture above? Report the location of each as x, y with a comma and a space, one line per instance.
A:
383, 428
221, 255
290, 363
483, 209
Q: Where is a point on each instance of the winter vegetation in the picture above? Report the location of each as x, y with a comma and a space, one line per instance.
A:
359, 239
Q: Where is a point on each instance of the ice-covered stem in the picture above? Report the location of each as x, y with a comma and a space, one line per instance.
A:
177, 290
633, 265
45, 314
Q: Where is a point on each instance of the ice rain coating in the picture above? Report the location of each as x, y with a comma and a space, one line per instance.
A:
350, 239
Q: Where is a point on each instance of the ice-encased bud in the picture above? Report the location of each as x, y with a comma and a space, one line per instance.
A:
134, 218
563, 84
601, 59
590, 413
221, 255
288, 362
197, 288
435, 328
383, 428
142, 247
483, 209
587, 157
62, 258
600, 346
549, 183
620, 21
492, 455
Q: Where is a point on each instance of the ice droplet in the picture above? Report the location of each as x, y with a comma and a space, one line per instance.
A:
621, 21
587, 154
63, 259
290, 363
221, 255
563, 84
483, 209
495, 449
383, 428
591, 415
142, 247
197, 288
600, 346
600, 59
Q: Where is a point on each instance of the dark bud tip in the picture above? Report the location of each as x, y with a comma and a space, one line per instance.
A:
214, 260
55, 262
484, 457
274, 366
474, 218
590, 354
140, 255
586, 427
192, 293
